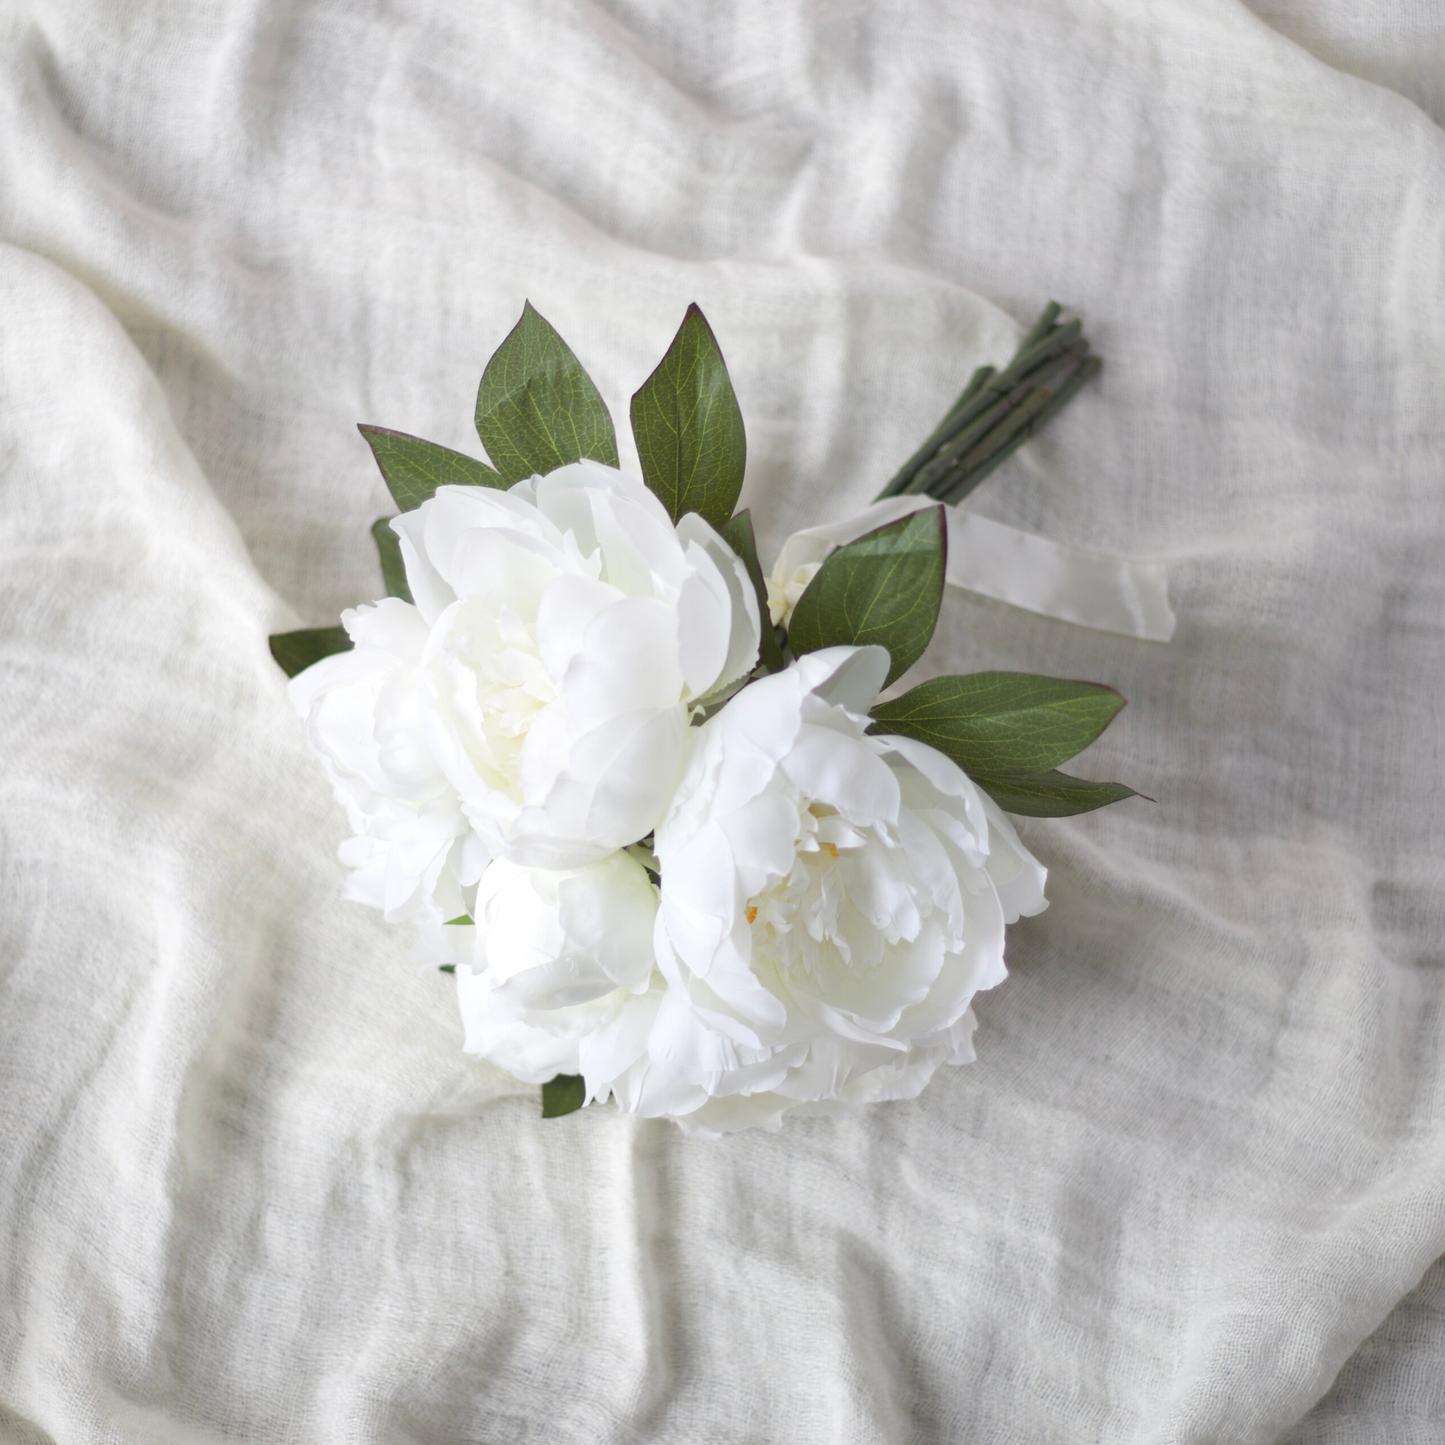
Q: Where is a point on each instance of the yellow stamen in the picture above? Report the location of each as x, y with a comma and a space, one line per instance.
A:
753, 914
831, 850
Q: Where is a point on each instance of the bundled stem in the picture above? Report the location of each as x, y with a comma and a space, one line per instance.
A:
998, 411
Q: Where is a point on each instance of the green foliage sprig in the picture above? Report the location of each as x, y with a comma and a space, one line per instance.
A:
884, 588
296, 651
413, 469
1009, 731
689, 429
537, 409
563, 1095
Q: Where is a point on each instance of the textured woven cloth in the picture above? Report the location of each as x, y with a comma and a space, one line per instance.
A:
1194, 1187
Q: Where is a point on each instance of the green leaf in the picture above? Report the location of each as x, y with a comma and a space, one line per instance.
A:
537, 410
563, 1095
1001, 722
459, 919
738, 534
388, 549
1007, 731
296, 651
1052, 794
446, 968
884, 588
414, 469
688, 428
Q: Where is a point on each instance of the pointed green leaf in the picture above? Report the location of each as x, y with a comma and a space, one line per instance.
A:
688, 428
1001, 722
563, 1095
388, 549
1052, 794
296, 651
537, 410
414, 469
446, 968
884, 588
738, 534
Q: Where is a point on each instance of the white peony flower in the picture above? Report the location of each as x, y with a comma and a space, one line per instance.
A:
572, 629
534, 704
784, 590
831, 902
557, 974
413, 852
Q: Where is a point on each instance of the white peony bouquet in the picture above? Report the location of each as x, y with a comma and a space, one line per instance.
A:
645, 804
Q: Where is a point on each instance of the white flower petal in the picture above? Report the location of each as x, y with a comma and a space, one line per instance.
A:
626, 660
743, 640
565, 612
532, 1054
704, 615
846, 677
1016, 873
831, 765
428, 588
607, 913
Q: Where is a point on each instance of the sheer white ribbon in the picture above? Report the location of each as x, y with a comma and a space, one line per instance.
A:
1111, 594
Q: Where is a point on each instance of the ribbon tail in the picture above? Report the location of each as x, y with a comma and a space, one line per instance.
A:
1110, 594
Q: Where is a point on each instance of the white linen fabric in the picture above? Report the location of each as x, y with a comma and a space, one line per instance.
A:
1193, 1188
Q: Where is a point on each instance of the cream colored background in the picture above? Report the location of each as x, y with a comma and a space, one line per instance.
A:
249, 1188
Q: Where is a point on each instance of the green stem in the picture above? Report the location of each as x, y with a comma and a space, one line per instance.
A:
999, 442
975, 385
1041, 327
983, 427
1013, 423
1027, 359
948, 457
1047, 371
940, 434
984, 401
962, 482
